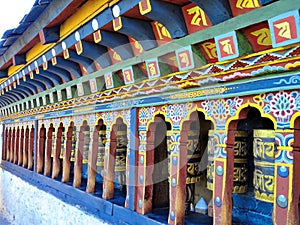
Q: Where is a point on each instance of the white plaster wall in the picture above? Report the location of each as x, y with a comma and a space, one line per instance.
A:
23, 204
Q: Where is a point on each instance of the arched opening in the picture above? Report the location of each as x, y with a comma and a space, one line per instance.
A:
9, 141
31, 148
41, 149
253, 175
17, 146
21, 147
12, 146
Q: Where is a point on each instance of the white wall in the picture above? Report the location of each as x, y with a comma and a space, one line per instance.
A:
23, 204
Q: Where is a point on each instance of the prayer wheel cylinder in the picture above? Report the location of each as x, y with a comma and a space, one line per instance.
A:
194, 157
210, 164
86, 146
264, 158
121, 149
53, 144
101, 148
240, 171
72, 157
63, 146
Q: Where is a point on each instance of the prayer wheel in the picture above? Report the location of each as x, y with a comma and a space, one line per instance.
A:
194, 157
63, 146
101, 148
211, 144
53, 144
264, 157
121, 149
72, 158
240, 171
86, 146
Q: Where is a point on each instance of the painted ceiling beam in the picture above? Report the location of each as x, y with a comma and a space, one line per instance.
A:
39, 85
170, 16
87, 63
6, 99
72, 67
96, 52
28, 86
217, 10
50, 35
11, 96
23, 92
62, 73
52, 76
15, 95
140, 30
45, 80
118, 42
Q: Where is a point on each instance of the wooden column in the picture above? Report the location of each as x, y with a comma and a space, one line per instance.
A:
31, 148
4, 143
48, 150
8, 143
92, 158
109, 165
79, 156
26, 147
56, 156
12, 145
21, 147
41, 150
16, 145
67, 156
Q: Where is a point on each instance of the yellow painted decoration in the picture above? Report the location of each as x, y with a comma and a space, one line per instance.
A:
45, 65
161, 30
210, 49
145, 7
97, 36
199, 17
264, 36
78, 47
117, 23
285, 30
247, 4
66, 54
53, 60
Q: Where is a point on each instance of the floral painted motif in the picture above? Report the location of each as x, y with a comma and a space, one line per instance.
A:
220, 109
176, 113
143, 116
282, 105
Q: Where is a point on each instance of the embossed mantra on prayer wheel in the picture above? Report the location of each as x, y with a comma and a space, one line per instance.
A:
264, 157
194, 157
72, 158
210, 163
121, 150
101, 148
63, 146
86, 146
240, 171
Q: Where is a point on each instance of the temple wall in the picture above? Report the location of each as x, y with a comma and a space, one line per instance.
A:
22, 203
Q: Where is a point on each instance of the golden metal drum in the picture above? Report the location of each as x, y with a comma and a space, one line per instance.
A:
240, 171
101, 148
211, 145
121, 150
264, 156
194, 157
72, 158
86, 146
63, 146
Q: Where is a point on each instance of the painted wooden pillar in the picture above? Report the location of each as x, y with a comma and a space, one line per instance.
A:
70, 137
286, 192
25, 149
48, 149
92, 160
31, 147
4, 143
79, 156
16, 145
132, 163
9, 132
109, 164
12, 146
57, 150
223, 177
41, 149
177, 169
21, 147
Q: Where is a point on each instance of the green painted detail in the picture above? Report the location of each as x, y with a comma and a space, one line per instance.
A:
100, 84
164, 67
199, 58
118, 82
138, 74
244, 45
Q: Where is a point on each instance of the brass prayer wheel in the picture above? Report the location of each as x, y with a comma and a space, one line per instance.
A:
240, 171
121, 151
63, 146
86, 146
194, 157
101, 148
72, 158
264, 156
210, 163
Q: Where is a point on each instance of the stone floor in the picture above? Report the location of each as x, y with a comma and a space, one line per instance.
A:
3, 220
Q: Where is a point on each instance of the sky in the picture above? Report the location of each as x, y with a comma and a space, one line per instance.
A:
12, 12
